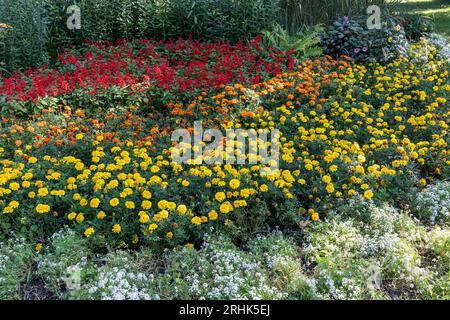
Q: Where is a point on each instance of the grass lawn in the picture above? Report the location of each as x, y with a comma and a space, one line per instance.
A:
438, 11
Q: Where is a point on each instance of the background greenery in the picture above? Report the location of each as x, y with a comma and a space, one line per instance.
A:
38, 27
437, 10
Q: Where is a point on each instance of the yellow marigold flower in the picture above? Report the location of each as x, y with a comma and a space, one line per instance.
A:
14, 186
423, 182
171, 205
326, 179
71, 216
14, 204
152, 227
220, 196
169, 235
368, 194
101, 215
361, 158
330, 188
42, 192
8, 209
38, 247
144, 218
234, 184
225, 207
130, 205
146, 194
94, 203
114, 202
189, 246
315, 216
116, 228
185, 183
212, 215
263, 188
42, 208
196, 221
146, 205
182, 209
80, 218
32, 160
163, 204
88, 232
79, 136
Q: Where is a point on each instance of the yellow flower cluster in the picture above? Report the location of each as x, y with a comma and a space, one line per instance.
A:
376, 128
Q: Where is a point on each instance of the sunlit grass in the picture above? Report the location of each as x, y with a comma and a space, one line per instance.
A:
439, 12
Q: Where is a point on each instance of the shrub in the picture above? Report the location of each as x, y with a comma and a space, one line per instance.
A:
120, 277
433, 204
24, 43
298, 13
65, 262
416, 25
304, 44
350, 37
375, 257
40, 31
16, 263
441, 44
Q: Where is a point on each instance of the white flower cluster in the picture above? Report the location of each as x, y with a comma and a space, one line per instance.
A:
228, 274
433, 204
442, 45
344, 248
15, 255
438, 242
4, 258
121, 284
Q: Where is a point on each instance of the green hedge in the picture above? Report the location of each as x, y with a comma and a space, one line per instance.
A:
39, 26
297, 13
24, 42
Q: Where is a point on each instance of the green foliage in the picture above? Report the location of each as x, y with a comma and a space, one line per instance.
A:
350, 36
432, 205
416, 26
16, 260
40, 27
24, 42
305, 44
298, 13
380, 255
64, 262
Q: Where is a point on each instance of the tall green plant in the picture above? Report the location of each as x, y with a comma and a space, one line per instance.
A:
25, 42
298, 13
305, 44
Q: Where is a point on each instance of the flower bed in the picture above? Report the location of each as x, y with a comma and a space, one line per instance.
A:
346, 131
145, 70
